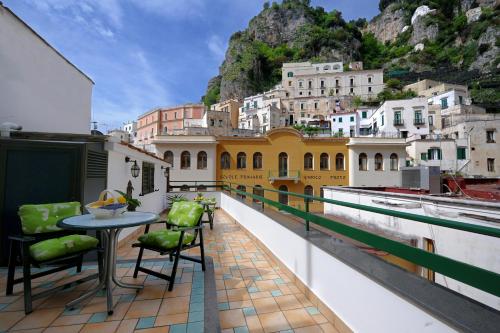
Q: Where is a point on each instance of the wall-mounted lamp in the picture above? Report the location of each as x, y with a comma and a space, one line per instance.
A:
135, 170
166, 171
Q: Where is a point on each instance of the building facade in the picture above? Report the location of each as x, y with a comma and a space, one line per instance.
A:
232, 106
284, 160
376, 162
40, 89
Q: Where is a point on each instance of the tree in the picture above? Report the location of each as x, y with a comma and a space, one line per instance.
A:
266, 5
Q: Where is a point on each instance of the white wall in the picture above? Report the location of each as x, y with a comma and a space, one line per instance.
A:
358, 301
478, 250
407, 108
39, 89
119, 174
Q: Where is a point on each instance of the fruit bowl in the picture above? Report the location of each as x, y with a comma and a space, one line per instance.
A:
110, 204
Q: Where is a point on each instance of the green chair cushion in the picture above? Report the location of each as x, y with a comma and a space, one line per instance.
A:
185, 213
36, 219
59, 247
165, 239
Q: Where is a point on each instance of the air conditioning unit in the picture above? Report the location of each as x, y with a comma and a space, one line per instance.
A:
422, 177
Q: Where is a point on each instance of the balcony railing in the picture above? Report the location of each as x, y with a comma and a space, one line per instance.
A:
418, 121
275, 175
398, 122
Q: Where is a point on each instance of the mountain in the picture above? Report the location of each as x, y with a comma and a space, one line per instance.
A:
453, 40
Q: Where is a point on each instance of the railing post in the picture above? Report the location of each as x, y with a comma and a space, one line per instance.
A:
307, 211
262, 202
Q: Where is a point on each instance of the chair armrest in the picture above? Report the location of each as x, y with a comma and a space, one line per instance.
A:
22, 238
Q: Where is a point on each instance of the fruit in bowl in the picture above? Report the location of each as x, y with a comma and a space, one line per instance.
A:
112, 206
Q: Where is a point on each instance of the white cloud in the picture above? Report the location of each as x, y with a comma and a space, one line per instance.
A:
217, 47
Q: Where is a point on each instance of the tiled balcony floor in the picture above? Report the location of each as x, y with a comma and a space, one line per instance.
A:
253, 295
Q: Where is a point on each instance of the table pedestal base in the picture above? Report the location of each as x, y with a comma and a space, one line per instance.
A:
108, 277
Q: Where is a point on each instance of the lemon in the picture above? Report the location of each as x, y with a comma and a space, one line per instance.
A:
122, 199
109, 201
95, 205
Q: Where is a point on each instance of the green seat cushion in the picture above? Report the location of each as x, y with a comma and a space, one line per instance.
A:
165, 239
185, 213
36, 219
59, 247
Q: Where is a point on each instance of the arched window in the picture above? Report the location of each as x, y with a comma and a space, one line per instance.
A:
225, 160
283, 164
379, 162
202, 160
257, 160
258, 190
241, 160
339, 162
289, 74
165, 130
363, 162
185, 160
283, 197
241, 188
308, 161
394, 162
168, 156
324, 161
308, 190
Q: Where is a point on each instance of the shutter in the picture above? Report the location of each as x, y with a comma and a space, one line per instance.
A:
429, 154
439, 154
97, 164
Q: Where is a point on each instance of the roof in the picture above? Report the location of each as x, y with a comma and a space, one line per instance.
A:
123, 143
46, 43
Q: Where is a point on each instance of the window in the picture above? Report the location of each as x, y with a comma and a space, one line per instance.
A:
308, 161
460, 100
369, 79
315, 105
431, 120
490, 163
340, 119
258, 190
364, 114
310, 83
379, 162
324, 161
185, 160
220, 122
352, 119
201, 160
351, 90
225, 161
336, 83
490, 136
322, 83
363, 162
283, 197
165, 130
418, 117
254, 104
257, 160
168, 156
423, 156
175, 115
341, 132
352, 82
283, 164
394, 162
300, 84
339, 162
434, 154
212, 122
243, 189
382, 120
289, 83
308, 190
322, 92
290, 106
302, 106
241, 160
369, 89
444, 103
460, 153
289, 74
148, 177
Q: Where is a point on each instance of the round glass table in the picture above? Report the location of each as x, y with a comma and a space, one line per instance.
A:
110, 228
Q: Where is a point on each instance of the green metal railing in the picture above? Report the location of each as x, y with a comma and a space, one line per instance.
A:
477, 277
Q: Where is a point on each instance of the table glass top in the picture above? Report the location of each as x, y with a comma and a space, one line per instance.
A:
88, 221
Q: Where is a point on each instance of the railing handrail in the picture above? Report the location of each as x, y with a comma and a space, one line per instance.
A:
474, 276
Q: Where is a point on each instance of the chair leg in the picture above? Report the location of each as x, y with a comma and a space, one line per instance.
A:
28, 305
100, 265
138, 263
79, 264
12, 268
202, 251
176, 262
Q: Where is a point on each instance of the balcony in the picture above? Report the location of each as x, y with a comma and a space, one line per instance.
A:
418, 121
279, 175
398, 122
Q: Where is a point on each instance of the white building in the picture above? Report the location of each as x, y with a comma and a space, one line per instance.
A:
401, 118
191, 157
131, 128
449, 98
351, 124
263, 112
40, 89
376, 162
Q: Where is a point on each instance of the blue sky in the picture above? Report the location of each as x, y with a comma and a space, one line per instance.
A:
148, 53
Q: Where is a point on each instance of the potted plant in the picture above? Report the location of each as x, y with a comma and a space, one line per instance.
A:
199, 197
131, 202
175, 198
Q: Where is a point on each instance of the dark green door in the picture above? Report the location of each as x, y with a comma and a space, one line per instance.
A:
33, 173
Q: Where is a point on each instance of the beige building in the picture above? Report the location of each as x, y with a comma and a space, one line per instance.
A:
231, 106
429, 88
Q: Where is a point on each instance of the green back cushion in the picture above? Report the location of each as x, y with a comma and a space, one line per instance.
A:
185, 213
58, 247
166, 239
36, 219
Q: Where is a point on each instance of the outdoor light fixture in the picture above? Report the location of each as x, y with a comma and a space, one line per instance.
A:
135, 170
166, 171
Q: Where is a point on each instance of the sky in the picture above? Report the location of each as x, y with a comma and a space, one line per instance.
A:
143, 54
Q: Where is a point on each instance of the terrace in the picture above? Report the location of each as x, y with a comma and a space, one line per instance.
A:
257, 281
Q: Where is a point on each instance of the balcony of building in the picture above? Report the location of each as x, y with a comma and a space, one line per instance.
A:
273, 266
283, 175
419, 121
398, 122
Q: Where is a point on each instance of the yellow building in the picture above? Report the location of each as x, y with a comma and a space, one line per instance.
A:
284, 160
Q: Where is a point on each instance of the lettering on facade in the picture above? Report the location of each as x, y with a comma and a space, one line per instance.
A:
236, 177
312, 177
337, 177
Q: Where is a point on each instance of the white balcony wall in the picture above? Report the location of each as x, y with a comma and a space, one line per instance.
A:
361, 303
